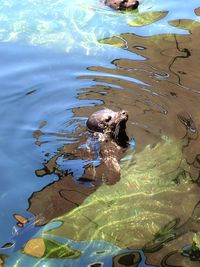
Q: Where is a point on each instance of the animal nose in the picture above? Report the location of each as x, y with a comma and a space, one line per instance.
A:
124, 113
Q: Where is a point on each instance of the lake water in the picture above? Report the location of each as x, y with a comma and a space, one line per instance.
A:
60, 62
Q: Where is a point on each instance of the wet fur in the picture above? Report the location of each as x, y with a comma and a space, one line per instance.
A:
111, 124
122, 4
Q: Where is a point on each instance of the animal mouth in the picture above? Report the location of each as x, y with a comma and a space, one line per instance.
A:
120, 126
120, 135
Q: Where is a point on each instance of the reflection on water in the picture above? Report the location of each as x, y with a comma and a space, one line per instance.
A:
171, 92
72, 24
149, 67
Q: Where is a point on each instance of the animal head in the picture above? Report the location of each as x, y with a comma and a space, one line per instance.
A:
110, 123
122, 4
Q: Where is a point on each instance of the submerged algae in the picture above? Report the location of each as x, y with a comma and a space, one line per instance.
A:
147, 18
193, 251
49, 249
151, 192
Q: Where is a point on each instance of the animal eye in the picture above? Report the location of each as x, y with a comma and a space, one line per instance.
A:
108, 119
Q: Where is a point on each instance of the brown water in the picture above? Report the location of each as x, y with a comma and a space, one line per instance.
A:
153, 211
165, 105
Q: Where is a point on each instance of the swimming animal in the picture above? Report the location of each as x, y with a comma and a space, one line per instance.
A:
111, 124
106, 128
122, 4
109, 127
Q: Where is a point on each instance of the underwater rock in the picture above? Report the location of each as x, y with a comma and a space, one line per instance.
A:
173, 230
3, 258
8, 245
122, 4
21, 221
129, 259
96, 264
49, 249
57, 199
193, 252
35, 247
1, 262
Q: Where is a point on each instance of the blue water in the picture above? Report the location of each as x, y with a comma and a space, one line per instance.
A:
75, 24
46, 50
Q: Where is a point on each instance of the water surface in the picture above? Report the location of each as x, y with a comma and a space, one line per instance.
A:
62, 60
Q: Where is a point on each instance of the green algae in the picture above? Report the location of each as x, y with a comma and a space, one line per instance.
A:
116, 41
147, 18
185, 24
193, 251
151, 193
196, 239
140, 19
57, 250
49, 249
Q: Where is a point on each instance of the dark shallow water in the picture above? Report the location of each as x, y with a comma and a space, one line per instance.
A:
60, 64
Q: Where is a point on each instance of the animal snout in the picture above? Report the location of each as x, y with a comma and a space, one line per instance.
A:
124, 114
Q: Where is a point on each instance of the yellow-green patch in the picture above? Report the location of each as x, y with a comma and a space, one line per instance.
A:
151, 192
147, 18
47, 248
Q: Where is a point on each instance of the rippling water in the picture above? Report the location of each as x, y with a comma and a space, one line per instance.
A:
62, 60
